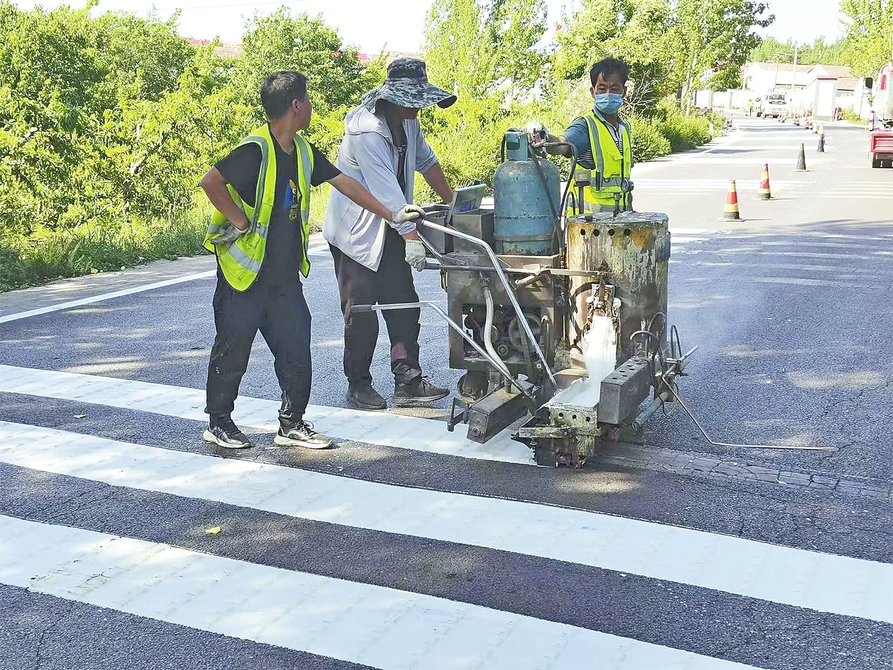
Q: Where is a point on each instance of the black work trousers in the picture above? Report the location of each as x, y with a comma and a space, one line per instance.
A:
391, 283
277, 308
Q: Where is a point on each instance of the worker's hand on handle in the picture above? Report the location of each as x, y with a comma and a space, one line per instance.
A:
537, 133
230, 235
415, 254
406, 213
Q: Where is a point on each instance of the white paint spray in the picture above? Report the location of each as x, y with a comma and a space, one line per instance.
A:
599, 353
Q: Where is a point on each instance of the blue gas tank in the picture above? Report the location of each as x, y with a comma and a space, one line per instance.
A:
524, 222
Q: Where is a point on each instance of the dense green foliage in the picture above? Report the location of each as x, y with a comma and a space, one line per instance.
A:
819, 52
869, 34
108, 122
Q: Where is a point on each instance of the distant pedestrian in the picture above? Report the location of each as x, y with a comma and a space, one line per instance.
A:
259, 233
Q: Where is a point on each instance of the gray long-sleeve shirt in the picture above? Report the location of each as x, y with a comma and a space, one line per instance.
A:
369, 155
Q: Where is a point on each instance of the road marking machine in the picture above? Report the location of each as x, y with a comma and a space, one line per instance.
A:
558, 316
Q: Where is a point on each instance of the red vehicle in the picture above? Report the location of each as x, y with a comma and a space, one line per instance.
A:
881, 147
881, 119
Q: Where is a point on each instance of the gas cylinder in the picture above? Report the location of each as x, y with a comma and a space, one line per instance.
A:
526, 194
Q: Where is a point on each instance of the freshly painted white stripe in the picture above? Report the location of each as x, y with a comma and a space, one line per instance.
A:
390, 430
823, 582
360, 623
104, 296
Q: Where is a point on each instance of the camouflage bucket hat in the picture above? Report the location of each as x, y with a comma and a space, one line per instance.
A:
407, 86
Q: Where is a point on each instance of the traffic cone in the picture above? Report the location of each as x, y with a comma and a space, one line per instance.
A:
821, 147
801, 159
765, 191
731, 211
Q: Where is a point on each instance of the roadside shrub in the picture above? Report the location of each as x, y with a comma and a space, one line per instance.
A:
686, 132
648, 139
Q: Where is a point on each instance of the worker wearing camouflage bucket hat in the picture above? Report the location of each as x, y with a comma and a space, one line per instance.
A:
383, 148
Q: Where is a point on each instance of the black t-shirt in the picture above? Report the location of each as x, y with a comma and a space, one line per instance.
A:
241, 169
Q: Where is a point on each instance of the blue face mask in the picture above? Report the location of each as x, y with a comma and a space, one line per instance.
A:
608, 103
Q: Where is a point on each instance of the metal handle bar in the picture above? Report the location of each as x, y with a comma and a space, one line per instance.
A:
506, 285
362, 309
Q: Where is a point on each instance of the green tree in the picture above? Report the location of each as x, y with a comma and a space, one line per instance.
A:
713, 35
336, 77
487, 54
869, 33
819, 52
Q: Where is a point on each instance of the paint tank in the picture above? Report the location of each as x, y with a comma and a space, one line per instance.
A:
634, 248
524, 222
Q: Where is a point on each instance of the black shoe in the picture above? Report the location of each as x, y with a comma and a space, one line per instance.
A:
224, 433
417, 392
301, 434
365, 397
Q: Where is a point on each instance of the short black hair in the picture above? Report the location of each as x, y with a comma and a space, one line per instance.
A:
607, 67
280, 89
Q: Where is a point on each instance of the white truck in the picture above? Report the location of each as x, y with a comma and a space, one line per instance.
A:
772, 104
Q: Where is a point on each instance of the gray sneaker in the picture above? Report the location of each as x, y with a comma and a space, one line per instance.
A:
418, 392
224, 433
301, 434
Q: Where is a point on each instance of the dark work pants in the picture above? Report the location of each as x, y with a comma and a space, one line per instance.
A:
280, 312
361, 286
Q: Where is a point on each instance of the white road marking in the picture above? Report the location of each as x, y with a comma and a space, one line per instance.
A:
822, 582
62, 306
710, 184
390, 430
361, 623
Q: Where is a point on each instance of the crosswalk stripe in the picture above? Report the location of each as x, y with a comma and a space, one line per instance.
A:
361, 623
390, 430
795, 577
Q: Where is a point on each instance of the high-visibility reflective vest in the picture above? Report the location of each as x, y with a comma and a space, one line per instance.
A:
612, 167
241, 261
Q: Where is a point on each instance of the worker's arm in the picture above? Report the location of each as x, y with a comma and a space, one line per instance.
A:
437, 180
351, 188
214, 186
558, 150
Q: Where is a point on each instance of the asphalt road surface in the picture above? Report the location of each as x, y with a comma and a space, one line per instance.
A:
126, 542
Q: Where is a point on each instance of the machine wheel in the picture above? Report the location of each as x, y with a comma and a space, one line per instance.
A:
875, 162
473, 385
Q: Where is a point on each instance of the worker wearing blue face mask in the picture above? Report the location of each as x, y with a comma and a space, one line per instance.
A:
603, 141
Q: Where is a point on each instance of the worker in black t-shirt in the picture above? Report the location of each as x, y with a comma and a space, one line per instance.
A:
259, 233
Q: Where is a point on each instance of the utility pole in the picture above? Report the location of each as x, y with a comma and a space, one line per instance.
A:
794, 77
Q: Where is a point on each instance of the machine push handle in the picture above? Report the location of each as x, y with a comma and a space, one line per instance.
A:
361, 309
503, 278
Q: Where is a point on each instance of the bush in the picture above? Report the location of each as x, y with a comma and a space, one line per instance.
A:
92, 248
648, 140
686, 132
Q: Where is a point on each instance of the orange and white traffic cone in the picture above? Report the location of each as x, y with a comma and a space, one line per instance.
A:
765, 190
731, 211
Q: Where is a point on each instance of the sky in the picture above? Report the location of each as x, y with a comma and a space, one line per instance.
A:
398, 25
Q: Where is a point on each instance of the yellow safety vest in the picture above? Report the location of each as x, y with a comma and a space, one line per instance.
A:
611, 166
241, 261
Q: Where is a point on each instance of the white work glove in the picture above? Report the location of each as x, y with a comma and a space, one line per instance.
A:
406, 213
415, 254
536, 132
228, 236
